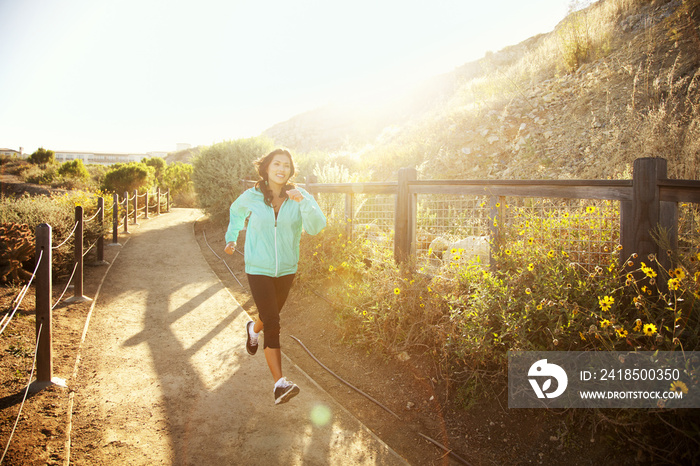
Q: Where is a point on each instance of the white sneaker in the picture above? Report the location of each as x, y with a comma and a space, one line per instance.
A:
285, 391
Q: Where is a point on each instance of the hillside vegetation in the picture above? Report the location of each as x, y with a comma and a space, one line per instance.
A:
613, 82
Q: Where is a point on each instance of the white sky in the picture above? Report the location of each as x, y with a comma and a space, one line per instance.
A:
143, 75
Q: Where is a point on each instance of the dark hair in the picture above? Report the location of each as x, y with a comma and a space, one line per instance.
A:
262, 165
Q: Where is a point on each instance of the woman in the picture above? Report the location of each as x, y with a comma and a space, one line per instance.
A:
278, 210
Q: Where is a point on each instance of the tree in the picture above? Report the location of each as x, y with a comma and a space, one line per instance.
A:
42, 156
177, 177
219, 169
159, 165
74, 169
128, 177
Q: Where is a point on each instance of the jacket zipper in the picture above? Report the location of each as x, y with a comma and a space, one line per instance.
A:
277, 261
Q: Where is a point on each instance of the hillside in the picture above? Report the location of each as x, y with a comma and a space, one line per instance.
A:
616, 81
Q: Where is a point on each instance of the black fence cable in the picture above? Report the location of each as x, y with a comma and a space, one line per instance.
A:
449, 452
31, 376
434, 442
229, 268
7, 319
346, 383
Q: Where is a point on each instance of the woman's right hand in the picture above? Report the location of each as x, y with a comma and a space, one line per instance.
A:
230, 248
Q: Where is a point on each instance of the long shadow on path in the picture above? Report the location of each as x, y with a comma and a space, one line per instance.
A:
165, 378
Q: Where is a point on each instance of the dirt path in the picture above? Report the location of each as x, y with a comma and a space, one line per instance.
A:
164, 377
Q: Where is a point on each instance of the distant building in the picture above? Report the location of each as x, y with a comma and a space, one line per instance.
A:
104, 158
11, 152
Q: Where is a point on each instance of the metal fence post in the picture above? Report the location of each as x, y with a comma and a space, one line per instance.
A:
405, 216
348, 215
496, 218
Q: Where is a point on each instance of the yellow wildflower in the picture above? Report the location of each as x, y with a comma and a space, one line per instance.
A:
637, 325
674, 283
397, 291
649, 329
605, 323
606, 302
678, 386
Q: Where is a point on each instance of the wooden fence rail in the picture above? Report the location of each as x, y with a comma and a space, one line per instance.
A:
648, 203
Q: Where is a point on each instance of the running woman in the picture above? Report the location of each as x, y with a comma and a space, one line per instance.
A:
277, 211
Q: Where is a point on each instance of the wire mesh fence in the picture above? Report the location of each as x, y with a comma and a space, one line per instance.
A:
585, 230
688, 228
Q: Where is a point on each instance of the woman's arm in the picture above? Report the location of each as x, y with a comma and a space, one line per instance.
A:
237, 214
312, 219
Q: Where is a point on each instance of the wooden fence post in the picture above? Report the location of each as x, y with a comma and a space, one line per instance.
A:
44, 293
101, 238
115, 220
126, 212
642, 217
310, 180
136, 207
348, 215
404, 227
146, 206
78, 254
158, 201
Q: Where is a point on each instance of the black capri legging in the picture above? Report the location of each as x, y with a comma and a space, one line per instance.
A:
269, 294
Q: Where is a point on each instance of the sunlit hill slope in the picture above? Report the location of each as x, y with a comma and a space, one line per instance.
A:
613, 82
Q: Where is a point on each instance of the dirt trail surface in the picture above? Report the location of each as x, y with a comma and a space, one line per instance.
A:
164, 377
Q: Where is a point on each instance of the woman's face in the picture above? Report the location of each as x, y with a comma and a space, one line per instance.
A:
279, 170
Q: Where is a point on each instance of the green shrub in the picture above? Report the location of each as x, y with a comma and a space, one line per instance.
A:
74, 169
177, 178
59, 212
128, 177
42, 157
159, 166
37, 174
218, 172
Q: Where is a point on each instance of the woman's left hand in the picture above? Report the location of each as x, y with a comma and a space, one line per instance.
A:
295, 195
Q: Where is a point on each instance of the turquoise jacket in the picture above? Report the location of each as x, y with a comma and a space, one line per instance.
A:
272, 244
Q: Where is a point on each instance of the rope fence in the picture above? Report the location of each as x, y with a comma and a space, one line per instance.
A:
42, 277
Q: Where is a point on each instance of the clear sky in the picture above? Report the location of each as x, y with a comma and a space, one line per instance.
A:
144, 75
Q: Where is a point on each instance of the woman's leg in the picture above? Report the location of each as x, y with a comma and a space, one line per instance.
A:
270, 295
